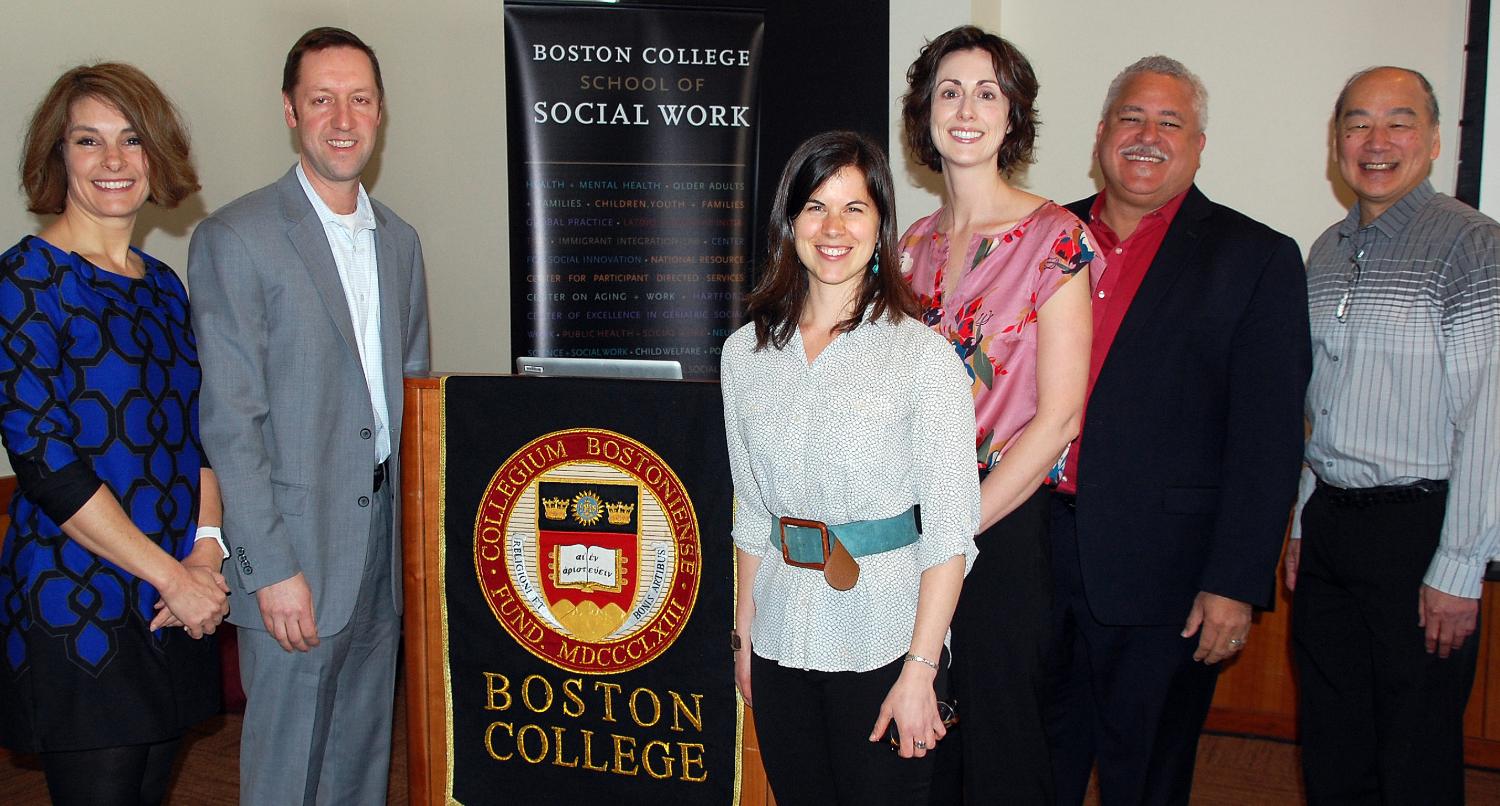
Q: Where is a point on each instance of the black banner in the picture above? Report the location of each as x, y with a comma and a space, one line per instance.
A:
632, 134
585, 612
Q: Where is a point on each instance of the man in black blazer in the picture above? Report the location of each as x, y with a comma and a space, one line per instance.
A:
1175, 499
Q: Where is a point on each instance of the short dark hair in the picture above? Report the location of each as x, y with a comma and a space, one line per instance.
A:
322, 39
775, 306
169, 166
1017, 82
1432, 103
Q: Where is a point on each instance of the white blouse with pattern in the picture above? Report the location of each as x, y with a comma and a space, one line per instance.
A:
881, 420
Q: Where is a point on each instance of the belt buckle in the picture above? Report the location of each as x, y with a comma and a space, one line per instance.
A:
786, 554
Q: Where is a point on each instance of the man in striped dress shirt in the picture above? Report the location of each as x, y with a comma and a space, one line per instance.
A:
1399, 509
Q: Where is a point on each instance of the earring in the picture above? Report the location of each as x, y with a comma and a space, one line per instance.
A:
875, 266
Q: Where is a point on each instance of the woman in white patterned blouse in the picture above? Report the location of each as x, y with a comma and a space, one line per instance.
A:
842, 409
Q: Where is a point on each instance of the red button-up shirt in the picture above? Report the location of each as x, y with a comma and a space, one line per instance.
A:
1126, 263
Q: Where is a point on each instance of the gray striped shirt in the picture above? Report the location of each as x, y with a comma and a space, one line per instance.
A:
1407, 385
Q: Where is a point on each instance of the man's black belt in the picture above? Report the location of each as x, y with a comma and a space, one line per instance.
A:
1388, 494
379, 477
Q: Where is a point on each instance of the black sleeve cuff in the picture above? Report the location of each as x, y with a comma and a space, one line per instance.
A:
60, 494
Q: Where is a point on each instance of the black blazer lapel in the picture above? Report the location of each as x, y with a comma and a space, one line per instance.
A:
1175, 257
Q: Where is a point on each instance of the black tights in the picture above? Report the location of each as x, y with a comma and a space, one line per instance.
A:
132, 775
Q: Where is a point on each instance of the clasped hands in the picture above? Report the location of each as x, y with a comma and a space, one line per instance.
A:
196, 597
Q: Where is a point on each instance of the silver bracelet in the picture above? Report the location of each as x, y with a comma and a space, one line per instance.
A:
919, 659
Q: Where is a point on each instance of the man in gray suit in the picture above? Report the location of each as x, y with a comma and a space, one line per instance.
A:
310, 304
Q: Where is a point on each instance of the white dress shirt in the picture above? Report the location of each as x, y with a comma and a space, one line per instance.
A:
351, 238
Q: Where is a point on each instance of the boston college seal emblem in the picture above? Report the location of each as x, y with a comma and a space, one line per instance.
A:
587, 549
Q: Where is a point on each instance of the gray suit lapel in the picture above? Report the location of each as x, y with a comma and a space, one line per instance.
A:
392, 327
311, 242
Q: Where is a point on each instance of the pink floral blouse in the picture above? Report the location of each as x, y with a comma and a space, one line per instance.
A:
991, 321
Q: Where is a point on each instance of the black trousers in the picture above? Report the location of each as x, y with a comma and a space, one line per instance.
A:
814, 730
1130, 697
131, 775
1381, 720
998, 751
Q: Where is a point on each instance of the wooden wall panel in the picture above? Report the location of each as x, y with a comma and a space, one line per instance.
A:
1257, 693
1474, 715
1487, 667
7, 489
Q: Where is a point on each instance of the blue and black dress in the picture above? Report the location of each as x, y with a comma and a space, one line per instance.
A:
98, 384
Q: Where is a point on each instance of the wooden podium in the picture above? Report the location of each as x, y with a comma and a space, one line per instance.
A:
1256, 693
426, 708
424, 652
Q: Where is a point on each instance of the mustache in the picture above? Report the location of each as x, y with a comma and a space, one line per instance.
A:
1143, 151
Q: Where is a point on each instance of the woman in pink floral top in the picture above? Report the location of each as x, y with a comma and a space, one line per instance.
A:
1001, 274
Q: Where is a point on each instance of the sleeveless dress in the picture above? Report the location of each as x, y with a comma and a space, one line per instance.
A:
98, 384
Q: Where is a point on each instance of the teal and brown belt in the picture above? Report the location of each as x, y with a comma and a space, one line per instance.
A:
833, 548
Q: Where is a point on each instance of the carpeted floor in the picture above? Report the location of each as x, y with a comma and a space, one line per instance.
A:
1232, 771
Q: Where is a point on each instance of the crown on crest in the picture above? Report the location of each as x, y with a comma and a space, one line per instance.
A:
619, 513
556, 508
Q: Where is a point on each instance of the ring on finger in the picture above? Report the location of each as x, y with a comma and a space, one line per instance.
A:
919, 744
1236, 642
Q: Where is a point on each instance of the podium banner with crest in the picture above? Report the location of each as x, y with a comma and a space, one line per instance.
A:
588, 588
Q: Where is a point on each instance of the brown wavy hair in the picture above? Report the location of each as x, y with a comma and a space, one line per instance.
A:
775, 306
1017, 82
169, 166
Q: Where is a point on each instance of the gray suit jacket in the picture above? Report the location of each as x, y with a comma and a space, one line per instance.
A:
286, 418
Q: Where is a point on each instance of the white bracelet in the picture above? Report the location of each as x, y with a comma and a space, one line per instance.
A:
217, 534
919, 659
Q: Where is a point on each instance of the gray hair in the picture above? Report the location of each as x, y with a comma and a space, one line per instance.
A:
1432, 104
1165, 66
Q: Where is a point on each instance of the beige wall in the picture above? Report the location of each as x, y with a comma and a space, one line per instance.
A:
1272, 69
442, 165
913, 23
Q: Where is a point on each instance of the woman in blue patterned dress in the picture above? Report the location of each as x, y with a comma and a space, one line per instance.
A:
99, 416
